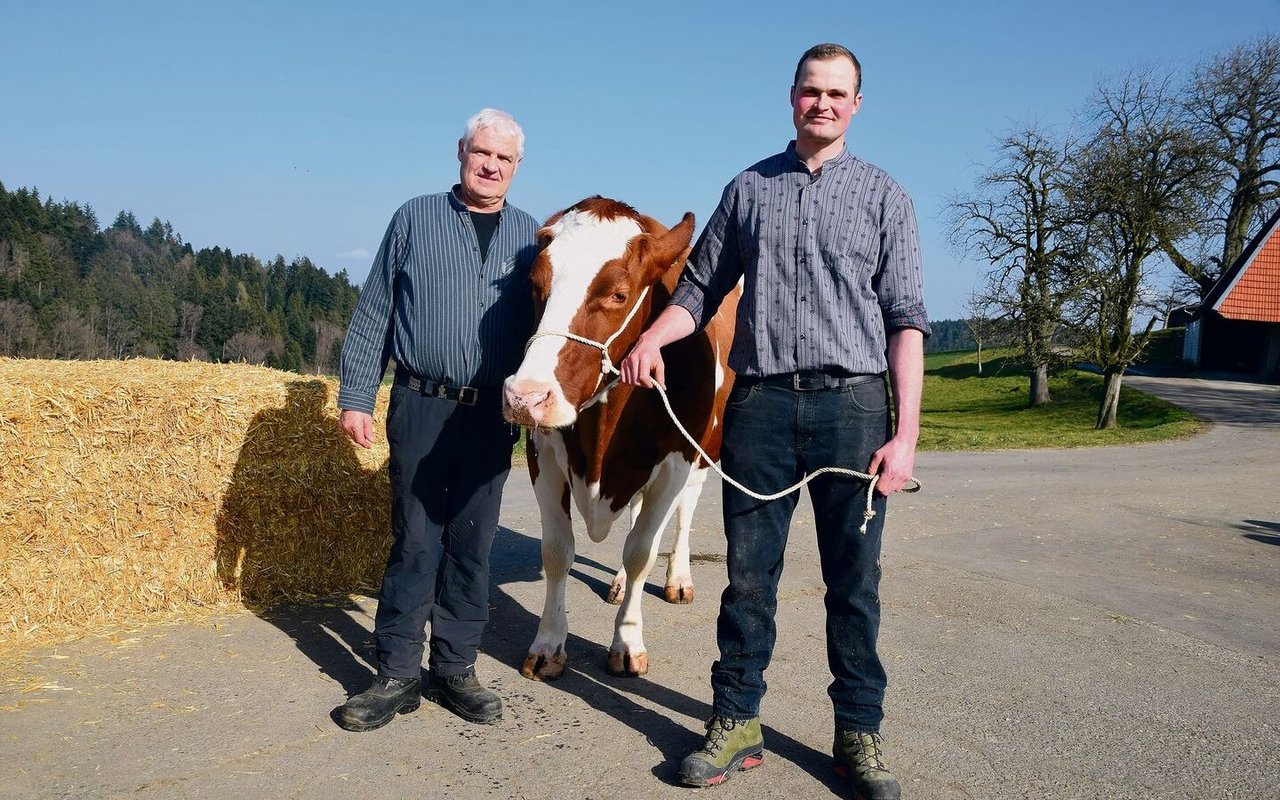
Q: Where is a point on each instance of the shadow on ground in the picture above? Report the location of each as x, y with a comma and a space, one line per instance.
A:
337, 637
303, 517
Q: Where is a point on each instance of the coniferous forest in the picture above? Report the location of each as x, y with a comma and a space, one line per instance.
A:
70, 289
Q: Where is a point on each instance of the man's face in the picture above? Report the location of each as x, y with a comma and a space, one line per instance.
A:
824, 100
488, 162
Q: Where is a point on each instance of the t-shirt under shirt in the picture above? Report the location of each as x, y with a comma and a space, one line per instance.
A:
485, 225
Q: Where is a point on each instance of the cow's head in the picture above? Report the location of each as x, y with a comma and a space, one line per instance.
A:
594, 262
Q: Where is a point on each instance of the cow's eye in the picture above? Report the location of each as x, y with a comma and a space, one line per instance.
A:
619, 297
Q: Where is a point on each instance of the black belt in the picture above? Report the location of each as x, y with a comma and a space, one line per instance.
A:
811, 380
463, 395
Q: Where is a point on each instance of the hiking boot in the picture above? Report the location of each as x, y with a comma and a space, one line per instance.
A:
464, 696
379, 704
858, 758
730, 745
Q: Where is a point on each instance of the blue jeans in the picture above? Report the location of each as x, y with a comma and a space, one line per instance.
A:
773, 435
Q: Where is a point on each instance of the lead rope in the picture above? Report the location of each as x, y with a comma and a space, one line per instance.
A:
871, 480
607, 368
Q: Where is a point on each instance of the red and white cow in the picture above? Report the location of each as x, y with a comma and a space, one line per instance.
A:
602, 274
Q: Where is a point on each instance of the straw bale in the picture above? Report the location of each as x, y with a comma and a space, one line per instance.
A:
142, 490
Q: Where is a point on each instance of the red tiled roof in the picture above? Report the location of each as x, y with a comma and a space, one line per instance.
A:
1253, 291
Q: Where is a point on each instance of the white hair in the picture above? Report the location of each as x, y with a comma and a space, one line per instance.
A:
493, 118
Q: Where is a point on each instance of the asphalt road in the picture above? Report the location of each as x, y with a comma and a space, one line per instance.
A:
1092, 623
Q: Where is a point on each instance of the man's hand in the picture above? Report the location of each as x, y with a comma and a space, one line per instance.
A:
643, 366
358, 425
894, 463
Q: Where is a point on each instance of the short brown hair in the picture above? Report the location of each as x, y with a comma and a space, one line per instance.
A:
826, 52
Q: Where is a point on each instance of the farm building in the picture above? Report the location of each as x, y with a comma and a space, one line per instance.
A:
1237, 327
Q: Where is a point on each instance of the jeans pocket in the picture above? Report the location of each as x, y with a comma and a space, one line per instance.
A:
397, 400
870, 397
741, 394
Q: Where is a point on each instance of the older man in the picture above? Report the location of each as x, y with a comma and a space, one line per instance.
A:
828, 248
447, 298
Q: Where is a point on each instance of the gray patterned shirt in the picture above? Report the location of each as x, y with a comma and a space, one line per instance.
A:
830, 264
435, 306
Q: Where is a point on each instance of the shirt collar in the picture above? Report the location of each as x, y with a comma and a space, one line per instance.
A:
843, 157
461, 207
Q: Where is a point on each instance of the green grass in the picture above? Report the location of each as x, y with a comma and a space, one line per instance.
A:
966, 411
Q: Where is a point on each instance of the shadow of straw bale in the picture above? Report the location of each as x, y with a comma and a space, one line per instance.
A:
302, 517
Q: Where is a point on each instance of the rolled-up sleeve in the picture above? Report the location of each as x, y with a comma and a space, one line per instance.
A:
899, 281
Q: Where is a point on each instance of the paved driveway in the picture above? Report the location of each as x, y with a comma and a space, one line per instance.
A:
1087, 623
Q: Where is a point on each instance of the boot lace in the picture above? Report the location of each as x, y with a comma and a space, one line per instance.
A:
864, 750
717, 734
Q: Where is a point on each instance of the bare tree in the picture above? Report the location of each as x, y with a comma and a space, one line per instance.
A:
18, 331
1142, 180
251, 347
1233, 101
328, 334
13, 259
189, 317
72, 337
118, 332
1019, 221
985, 322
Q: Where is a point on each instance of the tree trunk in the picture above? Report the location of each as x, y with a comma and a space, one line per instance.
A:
1110, 400
1040, 386
979, 358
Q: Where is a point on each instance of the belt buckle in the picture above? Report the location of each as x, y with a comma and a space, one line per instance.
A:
806, 383
468, 395
415, 385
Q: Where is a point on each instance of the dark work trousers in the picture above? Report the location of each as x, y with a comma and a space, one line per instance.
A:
447, 468
773, 435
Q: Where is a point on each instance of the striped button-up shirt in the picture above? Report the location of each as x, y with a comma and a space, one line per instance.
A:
831, 262
435, 306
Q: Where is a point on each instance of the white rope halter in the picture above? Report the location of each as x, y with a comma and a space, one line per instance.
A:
607, 366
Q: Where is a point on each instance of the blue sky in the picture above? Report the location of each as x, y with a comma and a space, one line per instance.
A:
298, 127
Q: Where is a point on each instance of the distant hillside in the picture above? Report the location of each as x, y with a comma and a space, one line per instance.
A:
950, 334
72, 291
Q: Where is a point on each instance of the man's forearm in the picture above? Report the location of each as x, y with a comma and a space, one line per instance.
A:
906, 375
672, 325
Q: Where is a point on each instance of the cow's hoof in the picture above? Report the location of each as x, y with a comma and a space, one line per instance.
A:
538, 667
627, 665
615, 594
679, 595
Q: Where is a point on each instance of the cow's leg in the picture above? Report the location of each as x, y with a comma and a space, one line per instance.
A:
679, 588
618, 589
547, 658
627, 655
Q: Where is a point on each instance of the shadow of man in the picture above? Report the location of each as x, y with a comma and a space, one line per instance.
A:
303, 524
517, 559
303, 519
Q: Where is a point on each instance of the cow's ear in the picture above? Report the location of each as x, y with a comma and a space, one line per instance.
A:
668, 250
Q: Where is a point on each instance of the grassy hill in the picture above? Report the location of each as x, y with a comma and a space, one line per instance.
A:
963, 410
